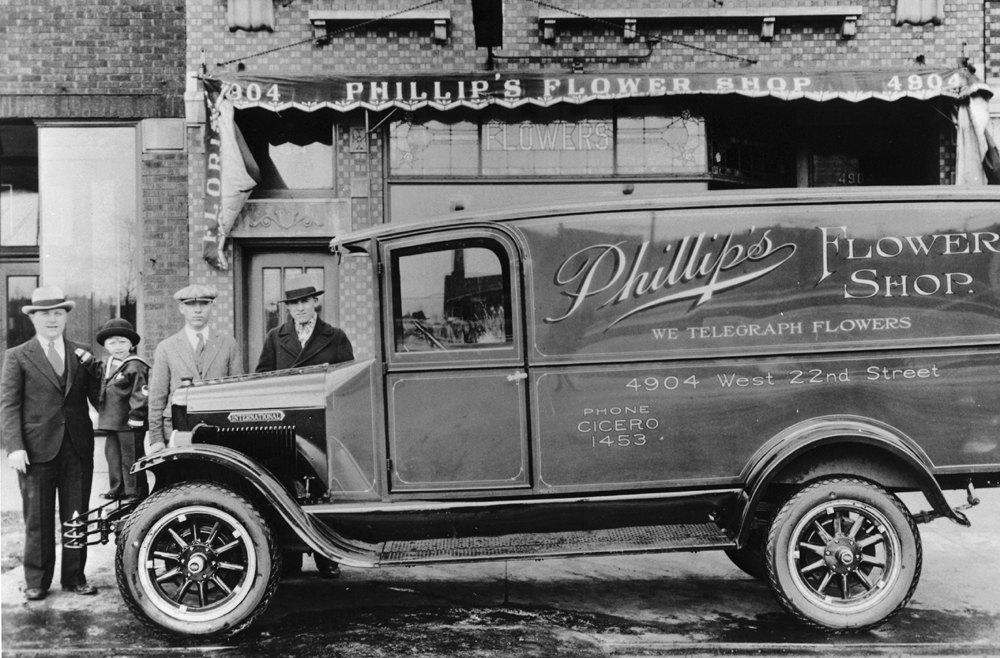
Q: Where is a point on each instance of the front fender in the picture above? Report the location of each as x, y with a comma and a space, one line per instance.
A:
827, 430
316, 535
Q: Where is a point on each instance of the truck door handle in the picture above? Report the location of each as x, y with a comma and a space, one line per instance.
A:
513, 377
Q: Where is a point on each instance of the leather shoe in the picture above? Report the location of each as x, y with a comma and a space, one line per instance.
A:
35, 594
84, 589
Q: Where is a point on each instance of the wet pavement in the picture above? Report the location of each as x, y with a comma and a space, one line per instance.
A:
671, 604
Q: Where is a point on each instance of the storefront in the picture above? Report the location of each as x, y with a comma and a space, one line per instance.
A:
332, 154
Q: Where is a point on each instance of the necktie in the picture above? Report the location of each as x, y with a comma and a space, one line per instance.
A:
55, 359
200, 348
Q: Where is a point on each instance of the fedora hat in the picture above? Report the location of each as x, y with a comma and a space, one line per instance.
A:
299, 287
46, 298
118, 327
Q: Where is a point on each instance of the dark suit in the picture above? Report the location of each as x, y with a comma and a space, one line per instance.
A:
47, 416
282, 350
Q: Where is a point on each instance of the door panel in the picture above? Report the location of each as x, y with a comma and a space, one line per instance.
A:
267, 274
456, 389
443, 436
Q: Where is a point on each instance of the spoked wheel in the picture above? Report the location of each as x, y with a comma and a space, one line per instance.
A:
843, 554
197, 559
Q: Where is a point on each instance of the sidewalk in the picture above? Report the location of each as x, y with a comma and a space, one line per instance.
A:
100, 559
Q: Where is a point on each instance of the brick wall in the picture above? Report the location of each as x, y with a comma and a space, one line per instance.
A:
384, 48
72, 48
164, 245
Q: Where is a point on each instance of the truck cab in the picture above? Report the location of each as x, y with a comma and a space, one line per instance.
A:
758, 373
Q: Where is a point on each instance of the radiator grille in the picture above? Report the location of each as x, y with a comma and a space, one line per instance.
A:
271, 447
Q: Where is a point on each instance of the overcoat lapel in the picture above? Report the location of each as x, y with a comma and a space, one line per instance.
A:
317, 342
212, 349
288, 340
36, 354
183, 349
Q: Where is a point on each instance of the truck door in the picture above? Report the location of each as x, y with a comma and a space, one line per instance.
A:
455, 386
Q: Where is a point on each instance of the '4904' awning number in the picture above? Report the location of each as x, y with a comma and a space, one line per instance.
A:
253, 92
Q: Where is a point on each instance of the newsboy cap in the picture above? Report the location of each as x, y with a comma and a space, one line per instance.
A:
196, 292
118, 327
46, 298
300, 287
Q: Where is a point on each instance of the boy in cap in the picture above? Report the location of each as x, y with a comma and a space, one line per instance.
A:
123, 408
49, 438
305, 340
196, 352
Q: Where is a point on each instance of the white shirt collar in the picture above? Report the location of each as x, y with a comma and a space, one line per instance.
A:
192, 335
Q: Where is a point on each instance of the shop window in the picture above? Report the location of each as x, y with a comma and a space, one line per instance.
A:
651, 144
919, 12
435, 148
17, 293
294, 151
89, 242
18, 185
452, 298
565, 140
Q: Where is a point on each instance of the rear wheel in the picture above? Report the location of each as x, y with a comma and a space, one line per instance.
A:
197, 559
843, 554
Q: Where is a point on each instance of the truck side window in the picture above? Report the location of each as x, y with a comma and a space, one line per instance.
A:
452, 296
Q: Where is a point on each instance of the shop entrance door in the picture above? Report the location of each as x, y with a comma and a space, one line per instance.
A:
267, 274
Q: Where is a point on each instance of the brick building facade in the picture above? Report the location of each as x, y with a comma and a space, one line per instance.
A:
343, 168
771, 141
93, 161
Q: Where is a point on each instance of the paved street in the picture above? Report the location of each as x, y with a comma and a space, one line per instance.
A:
673, 604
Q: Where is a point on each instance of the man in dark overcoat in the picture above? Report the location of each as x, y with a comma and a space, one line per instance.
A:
305, 340
49, 438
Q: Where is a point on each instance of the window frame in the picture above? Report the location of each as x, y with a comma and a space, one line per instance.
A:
490, 354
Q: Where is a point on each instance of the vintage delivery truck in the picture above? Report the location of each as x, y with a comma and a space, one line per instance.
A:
759, 373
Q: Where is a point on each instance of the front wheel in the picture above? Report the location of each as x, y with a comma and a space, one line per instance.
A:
197, 559
843, 554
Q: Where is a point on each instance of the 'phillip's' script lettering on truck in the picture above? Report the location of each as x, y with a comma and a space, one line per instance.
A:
759, 373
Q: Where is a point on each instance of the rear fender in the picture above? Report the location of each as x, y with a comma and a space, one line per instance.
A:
808, 435
317, 536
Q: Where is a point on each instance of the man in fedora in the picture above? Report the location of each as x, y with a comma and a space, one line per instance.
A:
196, 352
305, 340
49, 438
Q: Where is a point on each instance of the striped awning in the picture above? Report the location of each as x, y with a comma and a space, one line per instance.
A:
512, 89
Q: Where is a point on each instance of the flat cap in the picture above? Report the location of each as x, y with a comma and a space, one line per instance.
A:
196, 292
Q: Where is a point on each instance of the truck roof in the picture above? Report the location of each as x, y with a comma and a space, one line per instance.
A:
714, 199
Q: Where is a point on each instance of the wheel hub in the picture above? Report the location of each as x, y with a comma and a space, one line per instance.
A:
842, 555
198, 563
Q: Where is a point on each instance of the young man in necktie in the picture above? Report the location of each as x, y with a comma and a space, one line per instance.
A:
196, 352
305, 339
49, 438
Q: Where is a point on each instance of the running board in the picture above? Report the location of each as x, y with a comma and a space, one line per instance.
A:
535, 546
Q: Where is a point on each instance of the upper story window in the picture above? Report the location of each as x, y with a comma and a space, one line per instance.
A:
452, 296
294, 150
564, 140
